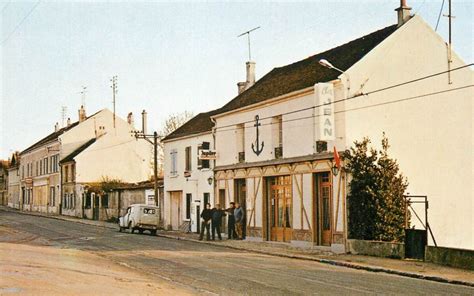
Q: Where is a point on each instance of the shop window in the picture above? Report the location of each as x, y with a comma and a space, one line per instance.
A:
88, 202
105, 200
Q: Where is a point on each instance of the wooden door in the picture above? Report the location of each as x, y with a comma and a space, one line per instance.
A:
175, 209
281, 210
223, 205
325, 212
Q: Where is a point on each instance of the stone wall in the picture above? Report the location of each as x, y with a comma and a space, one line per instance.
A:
459, 258
376, 248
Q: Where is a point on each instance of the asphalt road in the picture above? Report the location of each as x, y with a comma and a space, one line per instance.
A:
203, 268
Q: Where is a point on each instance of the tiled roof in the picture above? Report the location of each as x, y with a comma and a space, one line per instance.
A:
308, 72
49, 137
198, 124
77, 151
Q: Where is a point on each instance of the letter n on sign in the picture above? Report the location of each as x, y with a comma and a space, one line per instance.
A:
324, 93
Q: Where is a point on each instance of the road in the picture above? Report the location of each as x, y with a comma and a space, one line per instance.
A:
205, 269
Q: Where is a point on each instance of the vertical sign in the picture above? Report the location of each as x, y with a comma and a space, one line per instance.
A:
324, 93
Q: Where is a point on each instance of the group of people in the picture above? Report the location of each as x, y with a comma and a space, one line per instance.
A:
212, 219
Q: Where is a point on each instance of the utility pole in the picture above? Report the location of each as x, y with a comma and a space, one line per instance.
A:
114, 92
248, 38
450, 57
139, 135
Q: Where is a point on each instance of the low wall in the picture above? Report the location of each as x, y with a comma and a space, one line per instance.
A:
459, 258
376, 248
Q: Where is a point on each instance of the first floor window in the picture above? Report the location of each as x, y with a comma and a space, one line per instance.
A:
174, 162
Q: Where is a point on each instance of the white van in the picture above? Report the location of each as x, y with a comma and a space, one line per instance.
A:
140, 217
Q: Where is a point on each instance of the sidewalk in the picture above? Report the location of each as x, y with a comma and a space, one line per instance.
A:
408, 268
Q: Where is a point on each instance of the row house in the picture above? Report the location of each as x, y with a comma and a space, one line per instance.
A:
274, 141
14, 182
188, 174
4, 167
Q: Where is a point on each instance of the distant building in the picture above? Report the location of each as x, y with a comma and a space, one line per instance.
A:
188, 175
14, 182
4, 165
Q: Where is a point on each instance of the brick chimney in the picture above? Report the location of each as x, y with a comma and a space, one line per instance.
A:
242, 86
82, 114
56, 127
68, 121
130, 119
403, 12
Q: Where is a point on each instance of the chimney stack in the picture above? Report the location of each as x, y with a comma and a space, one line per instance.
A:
56, 127
144, 122
403, 12
130, 119
82, 114
243, 86
68, 121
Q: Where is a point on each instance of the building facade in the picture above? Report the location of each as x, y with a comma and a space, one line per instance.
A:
14, 182
188, 175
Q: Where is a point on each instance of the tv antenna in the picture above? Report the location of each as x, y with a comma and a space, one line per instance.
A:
248, 38
83, 96
114, 92
63, 115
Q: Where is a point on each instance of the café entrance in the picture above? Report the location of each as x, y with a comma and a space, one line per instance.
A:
280, 211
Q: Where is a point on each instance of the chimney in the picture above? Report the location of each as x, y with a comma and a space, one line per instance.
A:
250, 74
82, 114
144, 122
68, 121
56, 127
130, 119
242, 86
403, 12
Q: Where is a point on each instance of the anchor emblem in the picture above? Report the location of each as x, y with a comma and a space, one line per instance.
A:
256, 148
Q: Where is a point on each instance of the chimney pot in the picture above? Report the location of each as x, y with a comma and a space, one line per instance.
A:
250, 73
68, 121
403, 13
82, 114
56, 127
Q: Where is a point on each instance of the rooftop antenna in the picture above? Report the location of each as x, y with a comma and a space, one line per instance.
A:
83, 96
248, 38
114, 92
450, 58
63, 115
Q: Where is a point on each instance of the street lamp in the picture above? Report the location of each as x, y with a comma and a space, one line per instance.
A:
325, 63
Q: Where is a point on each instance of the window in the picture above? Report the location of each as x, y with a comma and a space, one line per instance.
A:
65, 201
66, 173
174, 162
189, 197
240, 140
205, 163
46, 168
105, 200
41, 167
23, 171
206, 198
188, 166
277, 136
37, 168
73, 172
52, 194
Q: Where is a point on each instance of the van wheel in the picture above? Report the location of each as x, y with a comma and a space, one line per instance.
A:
153, 232
131, 228
140, 231
120, 229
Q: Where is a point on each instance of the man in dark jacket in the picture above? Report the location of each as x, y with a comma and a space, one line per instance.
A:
239, 219
217, 214
206, 216
231, 234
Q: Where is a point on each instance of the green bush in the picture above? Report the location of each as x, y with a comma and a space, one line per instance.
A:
376, 205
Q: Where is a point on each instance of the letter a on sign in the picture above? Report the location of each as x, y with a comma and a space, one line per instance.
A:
324, 100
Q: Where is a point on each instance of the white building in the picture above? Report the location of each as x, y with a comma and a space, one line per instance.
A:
189, 179
273, 139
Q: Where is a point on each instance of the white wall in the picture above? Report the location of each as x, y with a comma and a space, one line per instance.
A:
430, 136
197, 184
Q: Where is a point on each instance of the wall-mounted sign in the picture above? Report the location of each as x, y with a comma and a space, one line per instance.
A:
257, 148
325, 110
207, 154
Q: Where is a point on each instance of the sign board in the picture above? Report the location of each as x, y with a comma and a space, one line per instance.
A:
324, 93
207, 154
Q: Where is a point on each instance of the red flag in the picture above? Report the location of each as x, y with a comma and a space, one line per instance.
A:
337, 159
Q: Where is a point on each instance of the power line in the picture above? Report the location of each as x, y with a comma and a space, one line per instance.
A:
357, 95
21, 22
364, 107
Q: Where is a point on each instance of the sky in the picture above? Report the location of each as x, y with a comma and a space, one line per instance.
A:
169, 56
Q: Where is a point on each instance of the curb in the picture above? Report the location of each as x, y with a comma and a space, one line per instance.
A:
333, 262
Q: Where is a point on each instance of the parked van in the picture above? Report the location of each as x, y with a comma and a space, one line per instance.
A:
140, 217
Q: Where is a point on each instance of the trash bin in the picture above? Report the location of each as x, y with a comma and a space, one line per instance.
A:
415, 243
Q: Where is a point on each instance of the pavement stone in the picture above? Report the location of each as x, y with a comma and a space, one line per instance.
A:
407, 268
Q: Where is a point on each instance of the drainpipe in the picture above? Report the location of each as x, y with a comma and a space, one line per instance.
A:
214, 161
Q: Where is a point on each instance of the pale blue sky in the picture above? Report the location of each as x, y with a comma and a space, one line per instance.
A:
168, 56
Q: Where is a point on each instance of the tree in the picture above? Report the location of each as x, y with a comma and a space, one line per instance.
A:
376, 204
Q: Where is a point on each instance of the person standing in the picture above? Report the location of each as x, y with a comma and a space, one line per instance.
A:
217, 214
206, 216
231, 234
238, 216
